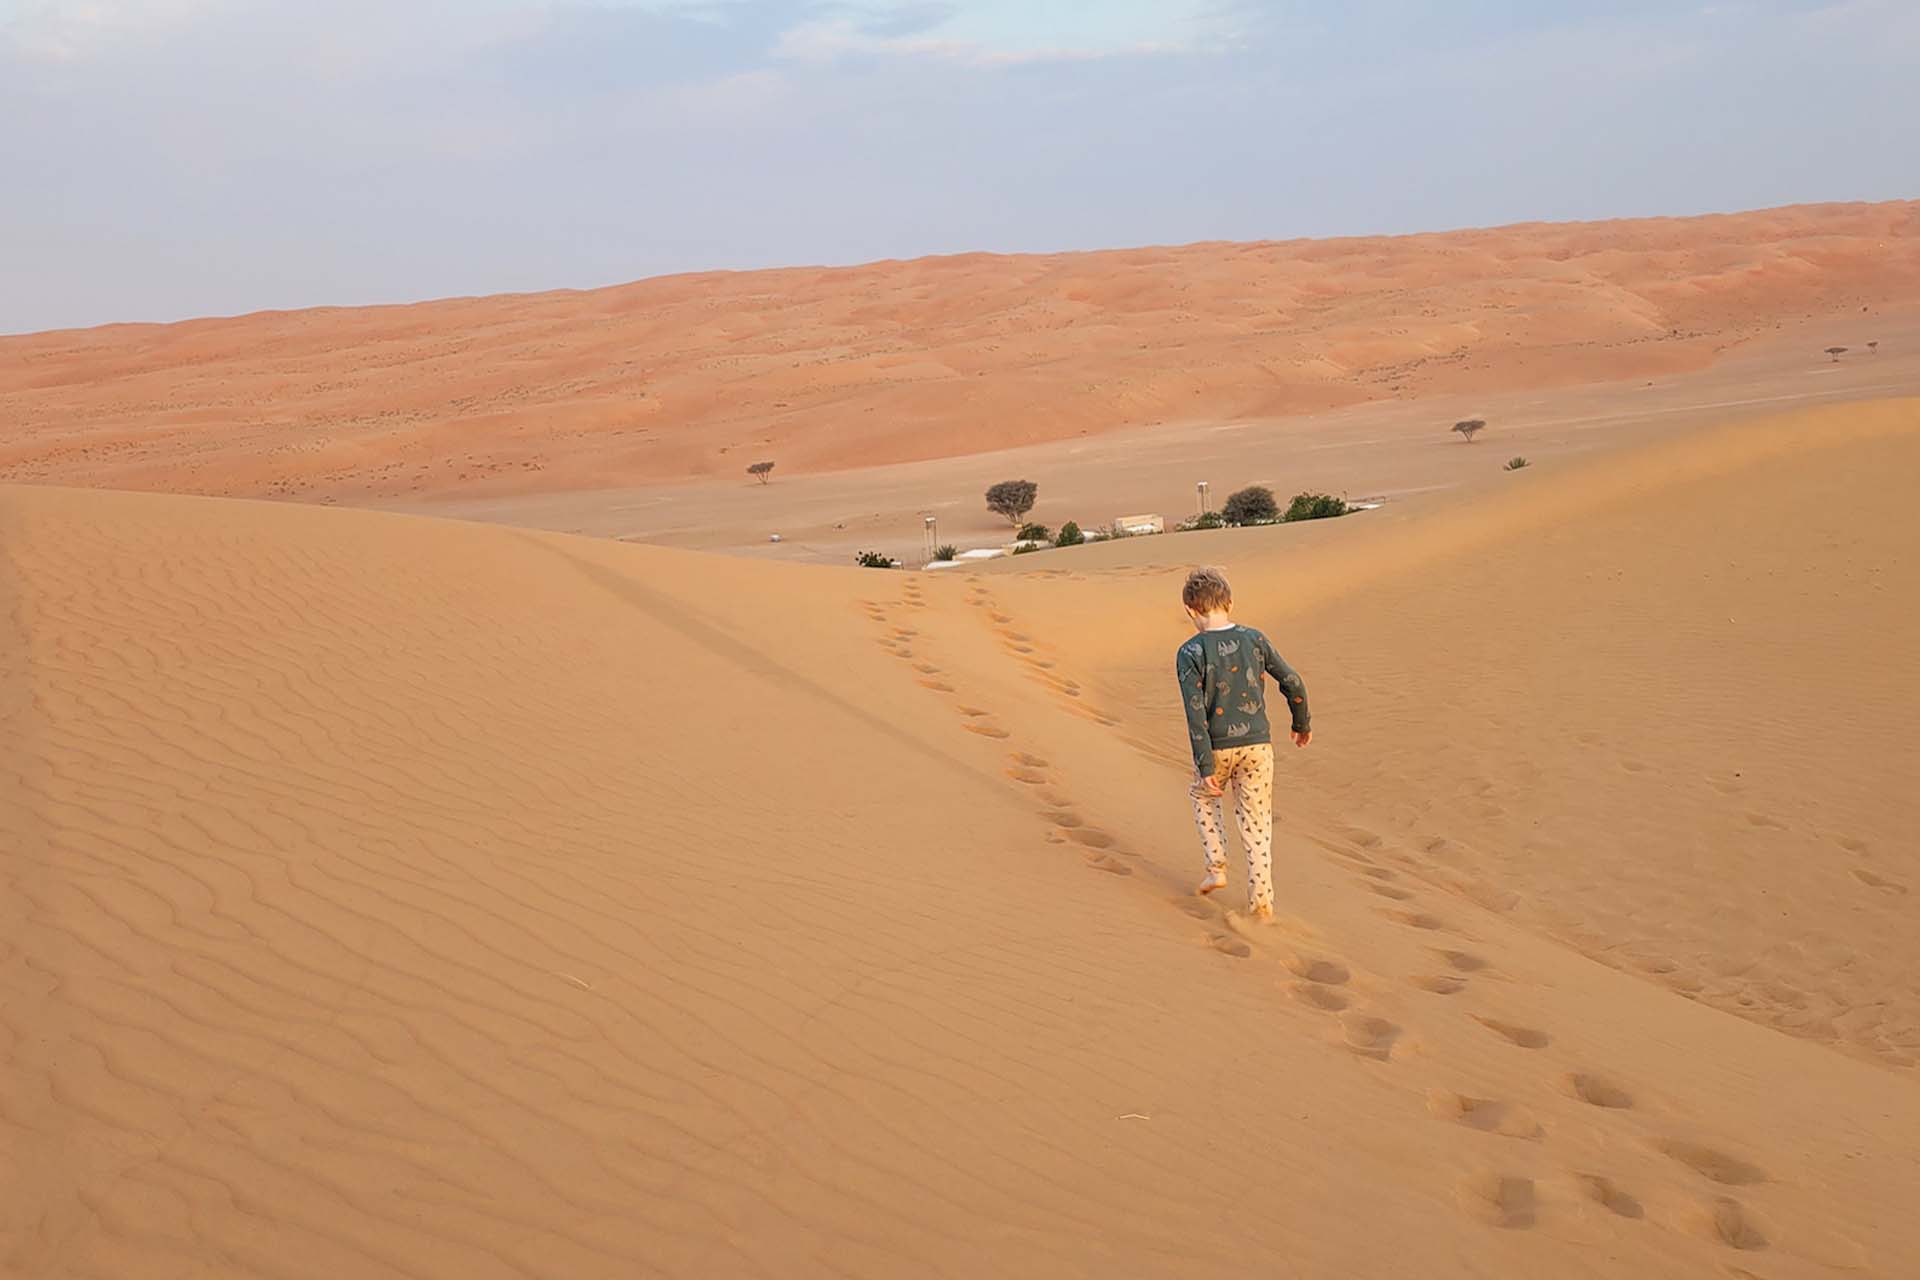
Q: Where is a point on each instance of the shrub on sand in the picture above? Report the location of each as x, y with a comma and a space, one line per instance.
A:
1251, 505
1314, 506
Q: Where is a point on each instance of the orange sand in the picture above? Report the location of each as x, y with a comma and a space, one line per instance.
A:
395, 897
696, 376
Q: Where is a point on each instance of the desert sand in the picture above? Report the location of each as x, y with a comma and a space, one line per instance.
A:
394, 896
822, 370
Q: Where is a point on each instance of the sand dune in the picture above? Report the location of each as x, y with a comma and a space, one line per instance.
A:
387, 896
827, 369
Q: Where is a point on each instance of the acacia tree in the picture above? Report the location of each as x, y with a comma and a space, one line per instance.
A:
1836, 353
1250, 505
760, 471
1012, 499
1467, 426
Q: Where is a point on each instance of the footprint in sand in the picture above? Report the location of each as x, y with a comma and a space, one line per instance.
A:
1463, 961
1065, 818
1598, 1091
1091, 837
1198, 908
985, 730
1392, 893
1110, 865
1228, 945
1500, 1200
1440, 984
1873, 881
938, 686
1032, 777
1732, 1224
1525, 1037
973, 711
1028, 759
926, 669
1488, 1115
1417, 919
1314, 969
1320, 997
1001, 618
1606, 1193
1713, 1165
1370, 1037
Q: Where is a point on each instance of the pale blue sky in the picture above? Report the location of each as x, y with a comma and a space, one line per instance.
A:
169, 158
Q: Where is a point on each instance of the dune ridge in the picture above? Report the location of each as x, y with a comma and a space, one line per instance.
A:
387, 896
824, 369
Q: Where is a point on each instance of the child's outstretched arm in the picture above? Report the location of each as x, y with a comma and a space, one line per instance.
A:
1190, 668
1292, 688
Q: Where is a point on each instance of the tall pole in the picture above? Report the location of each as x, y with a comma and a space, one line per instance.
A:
1206, 497
931, 528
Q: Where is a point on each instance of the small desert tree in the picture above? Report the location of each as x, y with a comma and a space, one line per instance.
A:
1516, 463
760, 471
1836, 353
1250, 505
1873, 348
1070, 535
1467, 426
1012, 499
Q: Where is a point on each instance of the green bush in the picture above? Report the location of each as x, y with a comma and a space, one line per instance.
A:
872, 560
1026, 548
1314, 506
1034, 533
1251, 505
1516, 463
1070, 535
1205, 520
946, 551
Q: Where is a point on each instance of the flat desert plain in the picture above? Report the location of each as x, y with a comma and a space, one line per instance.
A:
388, 895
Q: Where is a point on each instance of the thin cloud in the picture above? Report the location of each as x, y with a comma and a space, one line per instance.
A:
994, 33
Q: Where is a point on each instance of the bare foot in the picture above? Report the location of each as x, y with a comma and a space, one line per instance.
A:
1263, 915
1211, 884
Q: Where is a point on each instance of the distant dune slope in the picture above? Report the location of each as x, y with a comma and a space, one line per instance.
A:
1659, 706
389, 897
696, 375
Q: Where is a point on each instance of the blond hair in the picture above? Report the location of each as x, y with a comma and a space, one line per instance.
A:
1207, 591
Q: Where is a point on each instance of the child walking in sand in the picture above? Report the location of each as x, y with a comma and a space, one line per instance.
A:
1225, 699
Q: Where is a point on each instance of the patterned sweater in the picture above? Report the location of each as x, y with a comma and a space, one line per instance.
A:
1224, 697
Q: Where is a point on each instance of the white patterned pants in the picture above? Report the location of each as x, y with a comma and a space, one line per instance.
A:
1246, 773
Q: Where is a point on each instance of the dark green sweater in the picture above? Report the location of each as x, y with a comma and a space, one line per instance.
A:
1224, 697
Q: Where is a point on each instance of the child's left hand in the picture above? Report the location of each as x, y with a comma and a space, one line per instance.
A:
1210, 786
